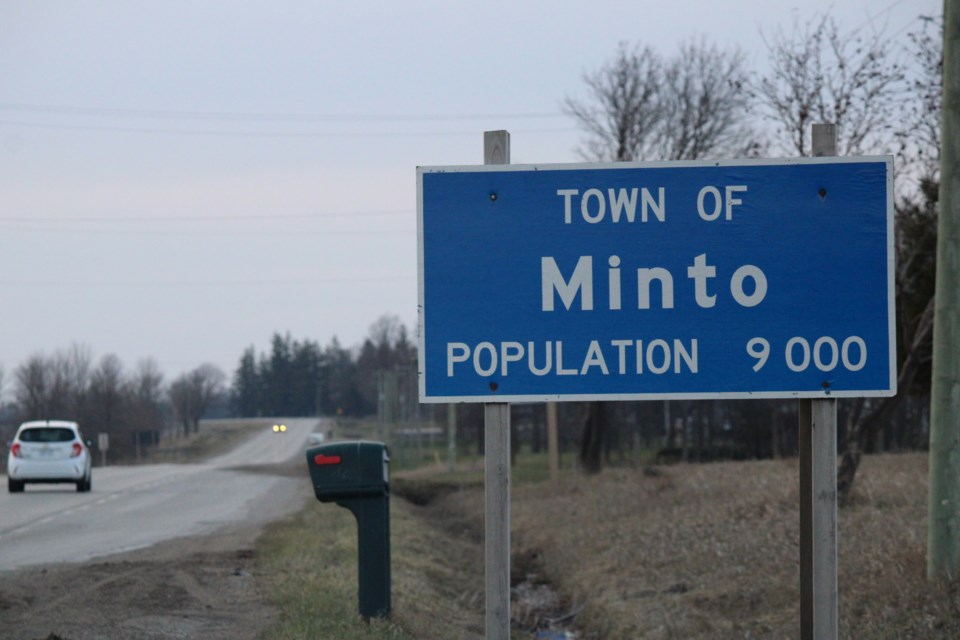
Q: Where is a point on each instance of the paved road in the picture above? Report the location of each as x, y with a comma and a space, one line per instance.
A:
138, 506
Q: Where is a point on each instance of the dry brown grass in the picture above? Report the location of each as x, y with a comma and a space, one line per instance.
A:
697, 551
711, 551
437, 579
310, 563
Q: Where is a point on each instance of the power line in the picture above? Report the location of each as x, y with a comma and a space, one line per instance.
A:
175, 218
109, 112
887, 10
207, 283
67, 224
261, 134
907, 26
210, 234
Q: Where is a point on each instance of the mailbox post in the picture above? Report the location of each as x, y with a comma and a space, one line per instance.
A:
355, 475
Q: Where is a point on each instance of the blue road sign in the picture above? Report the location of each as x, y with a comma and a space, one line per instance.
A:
670, 280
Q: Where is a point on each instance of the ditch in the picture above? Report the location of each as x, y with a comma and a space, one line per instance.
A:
537, 607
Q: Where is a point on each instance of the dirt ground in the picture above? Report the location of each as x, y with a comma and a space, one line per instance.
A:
200, 587
191, 587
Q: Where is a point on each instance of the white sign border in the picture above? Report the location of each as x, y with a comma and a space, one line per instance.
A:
618, 397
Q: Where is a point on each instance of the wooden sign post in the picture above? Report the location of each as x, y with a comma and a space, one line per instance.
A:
818, 489
496, 424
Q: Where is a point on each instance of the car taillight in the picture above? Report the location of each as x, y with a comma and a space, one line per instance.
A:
15, 449
76, 450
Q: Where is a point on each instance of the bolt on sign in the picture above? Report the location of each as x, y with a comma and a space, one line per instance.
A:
685, 280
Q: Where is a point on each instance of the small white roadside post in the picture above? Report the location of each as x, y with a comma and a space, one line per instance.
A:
496, 419
103, 444
818, 489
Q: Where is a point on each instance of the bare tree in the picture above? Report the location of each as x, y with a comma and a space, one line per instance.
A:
69, 374
147, 388
819, 73
594, 437
102, 398
704, 102
914, 283
181, 401
31, 382
621, 115
145, 396
855, 80
106, 397
916, 245
919, 137
192, 393
642, 107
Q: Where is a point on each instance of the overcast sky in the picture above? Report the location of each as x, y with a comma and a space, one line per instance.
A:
181, 179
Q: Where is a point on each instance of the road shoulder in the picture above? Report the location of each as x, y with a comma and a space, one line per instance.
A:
190, 587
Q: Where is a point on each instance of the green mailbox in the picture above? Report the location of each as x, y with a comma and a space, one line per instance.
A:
355, 475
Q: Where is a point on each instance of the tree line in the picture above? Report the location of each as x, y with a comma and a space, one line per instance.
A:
133, 407
301, 378
136, 407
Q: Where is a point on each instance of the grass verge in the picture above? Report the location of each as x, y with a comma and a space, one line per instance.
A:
685, 551
309, 566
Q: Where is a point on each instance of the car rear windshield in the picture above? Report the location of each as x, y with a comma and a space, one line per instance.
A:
46, 434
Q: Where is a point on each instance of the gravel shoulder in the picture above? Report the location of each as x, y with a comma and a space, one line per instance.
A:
191, 587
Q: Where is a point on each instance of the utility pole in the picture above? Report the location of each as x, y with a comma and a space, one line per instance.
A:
943, 527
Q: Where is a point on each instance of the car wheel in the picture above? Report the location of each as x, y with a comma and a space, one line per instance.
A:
83, 485
14, 486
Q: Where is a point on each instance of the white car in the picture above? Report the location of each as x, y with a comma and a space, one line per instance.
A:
46, 451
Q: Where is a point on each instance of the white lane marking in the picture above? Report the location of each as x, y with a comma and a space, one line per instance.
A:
174, 474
